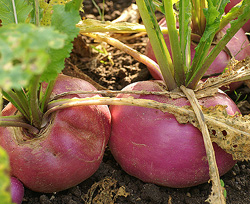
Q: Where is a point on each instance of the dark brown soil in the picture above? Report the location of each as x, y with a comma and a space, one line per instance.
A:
110, 184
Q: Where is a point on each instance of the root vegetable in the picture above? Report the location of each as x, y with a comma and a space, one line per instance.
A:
17, 190
64, 153
154, 147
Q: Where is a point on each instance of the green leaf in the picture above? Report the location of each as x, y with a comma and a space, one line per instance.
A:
74, 5
235, 26
178, 62
24, 52
7, 12
65, 22
48, 10
5, 196
185, 31
213, 14
156, 38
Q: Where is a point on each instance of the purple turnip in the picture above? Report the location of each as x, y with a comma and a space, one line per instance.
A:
68, 150
17, 190
154, 147
238, 46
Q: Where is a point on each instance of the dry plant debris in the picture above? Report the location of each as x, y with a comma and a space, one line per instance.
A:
104, 192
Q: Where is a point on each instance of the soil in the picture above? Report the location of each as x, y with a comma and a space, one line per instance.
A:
110, 184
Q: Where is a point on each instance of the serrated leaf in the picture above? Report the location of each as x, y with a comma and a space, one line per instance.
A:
5, 195
246, 5
213, 15
48, 10
74, 5
65, 22
24, 52
7, 12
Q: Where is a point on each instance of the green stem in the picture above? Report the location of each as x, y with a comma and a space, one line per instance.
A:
202, 17
198, 18
20, 102
185, 13
14, 11
17, 121
37, 12
158, 5
174, 42
46, 96
195, 17
217, 49
158, 43
231, 16
36, 113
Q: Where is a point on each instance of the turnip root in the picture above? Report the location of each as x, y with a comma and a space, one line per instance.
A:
17, 190
238, 47
154, 147
65, 152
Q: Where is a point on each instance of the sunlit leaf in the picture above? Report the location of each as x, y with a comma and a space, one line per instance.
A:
24, 52
65, 22
48, 10
7, 11
213, 15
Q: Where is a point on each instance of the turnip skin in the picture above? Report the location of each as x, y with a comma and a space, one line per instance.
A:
17, 190
68, 151
238, 42
154, 147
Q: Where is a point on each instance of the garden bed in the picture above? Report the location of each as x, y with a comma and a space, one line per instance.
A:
110, 184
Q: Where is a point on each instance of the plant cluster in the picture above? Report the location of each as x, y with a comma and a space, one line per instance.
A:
56, 126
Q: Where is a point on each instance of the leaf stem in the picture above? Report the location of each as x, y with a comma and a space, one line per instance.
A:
46, 96
18, 101
36, 113
185, 14
37, 13
233, 14
174, 43
158, 43
218, 48
14, 11
17, 121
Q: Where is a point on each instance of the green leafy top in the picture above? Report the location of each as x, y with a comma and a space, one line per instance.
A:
210, 20
20, 46
30, 54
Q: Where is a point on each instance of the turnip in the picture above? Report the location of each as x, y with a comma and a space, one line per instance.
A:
17, 190
152, 145
67, 151
52, 151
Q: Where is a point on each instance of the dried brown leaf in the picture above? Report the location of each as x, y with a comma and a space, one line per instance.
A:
216, 196
231, 133
237, 71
